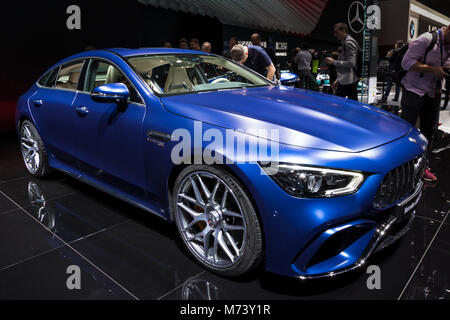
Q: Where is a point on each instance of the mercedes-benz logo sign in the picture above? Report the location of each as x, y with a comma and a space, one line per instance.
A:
412, 29
356, 17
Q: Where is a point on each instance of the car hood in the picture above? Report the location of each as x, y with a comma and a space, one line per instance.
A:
303, 118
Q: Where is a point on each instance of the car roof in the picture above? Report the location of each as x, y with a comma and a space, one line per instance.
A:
124, 52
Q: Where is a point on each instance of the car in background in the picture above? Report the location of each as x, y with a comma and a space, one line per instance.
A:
323, 79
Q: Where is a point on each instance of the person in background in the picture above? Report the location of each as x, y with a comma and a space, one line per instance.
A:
209, 69
206, 47
167, 44
393, 56
271, 53
255, 58
255, 39
315, 63
194, 44
421, 99
311, 51
447, 92
294, 65
332, 68
346, 84
303, 60
231, 43
182, 43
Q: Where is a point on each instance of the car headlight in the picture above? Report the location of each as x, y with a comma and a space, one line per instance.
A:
313, 182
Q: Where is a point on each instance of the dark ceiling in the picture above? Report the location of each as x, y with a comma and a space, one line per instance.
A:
442, 6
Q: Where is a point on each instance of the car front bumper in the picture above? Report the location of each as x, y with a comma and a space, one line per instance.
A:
310, 238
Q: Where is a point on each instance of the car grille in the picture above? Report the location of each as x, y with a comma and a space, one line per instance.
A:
400, 182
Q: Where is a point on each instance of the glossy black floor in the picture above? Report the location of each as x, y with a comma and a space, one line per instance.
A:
125, 253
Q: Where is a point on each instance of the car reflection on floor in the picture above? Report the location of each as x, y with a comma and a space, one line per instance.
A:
44, 215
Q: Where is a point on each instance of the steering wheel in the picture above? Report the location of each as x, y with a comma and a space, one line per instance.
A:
220, 80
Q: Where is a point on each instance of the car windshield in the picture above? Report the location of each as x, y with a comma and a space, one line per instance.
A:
189, 73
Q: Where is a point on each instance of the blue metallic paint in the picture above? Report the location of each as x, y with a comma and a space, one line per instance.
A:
111, 150
114, 92
254, 108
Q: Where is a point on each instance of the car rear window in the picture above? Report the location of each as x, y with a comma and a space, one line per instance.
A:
48, 79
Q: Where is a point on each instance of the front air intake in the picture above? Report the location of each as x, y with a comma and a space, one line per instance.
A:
400, 183
337, 243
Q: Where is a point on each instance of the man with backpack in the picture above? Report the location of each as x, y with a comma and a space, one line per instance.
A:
423, 63
347, 64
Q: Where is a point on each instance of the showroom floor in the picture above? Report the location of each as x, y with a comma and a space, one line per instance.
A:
125, 253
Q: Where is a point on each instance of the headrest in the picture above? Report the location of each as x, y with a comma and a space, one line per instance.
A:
74, 76
113, 75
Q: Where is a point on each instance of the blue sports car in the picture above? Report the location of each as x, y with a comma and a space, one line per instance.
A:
251, 172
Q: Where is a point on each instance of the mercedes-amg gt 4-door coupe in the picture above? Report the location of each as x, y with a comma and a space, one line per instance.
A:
309, 185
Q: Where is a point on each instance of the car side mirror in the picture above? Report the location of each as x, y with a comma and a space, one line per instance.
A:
288, 79
111, 93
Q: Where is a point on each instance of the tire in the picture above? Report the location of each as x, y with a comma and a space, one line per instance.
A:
220, 222
33, 150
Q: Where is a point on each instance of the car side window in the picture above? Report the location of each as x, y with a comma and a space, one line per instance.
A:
48, 80
158, 75
69, 75
101, 72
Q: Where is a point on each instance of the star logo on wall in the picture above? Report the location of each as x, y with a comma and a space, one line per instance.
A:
356, 17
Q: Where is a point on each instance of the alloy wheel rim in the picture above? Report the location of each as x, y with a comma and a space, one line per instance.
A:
211, 219
30, 149
37, 200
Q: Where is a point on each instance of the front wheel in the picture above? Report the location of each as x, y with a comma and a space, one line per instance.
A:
33, 150
216, 220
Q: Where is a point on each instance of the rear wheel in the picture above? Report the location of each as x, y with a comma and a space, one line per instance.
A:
216, 220
33, 150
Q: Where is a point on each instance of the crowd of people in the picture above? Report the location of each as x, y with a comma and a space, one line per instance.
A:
306, 62
254, 56
341, 65
416, 69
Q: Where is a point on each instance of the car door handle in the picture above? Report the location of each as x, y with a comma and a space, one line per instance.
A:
158, 135
82, 111
38, 102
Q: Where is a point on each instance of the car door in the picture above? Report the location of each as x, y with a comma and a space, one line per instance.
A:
110, 142
51, 108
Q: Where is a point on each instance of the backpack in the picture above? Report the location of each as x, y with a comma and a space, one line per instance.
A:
399, 72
